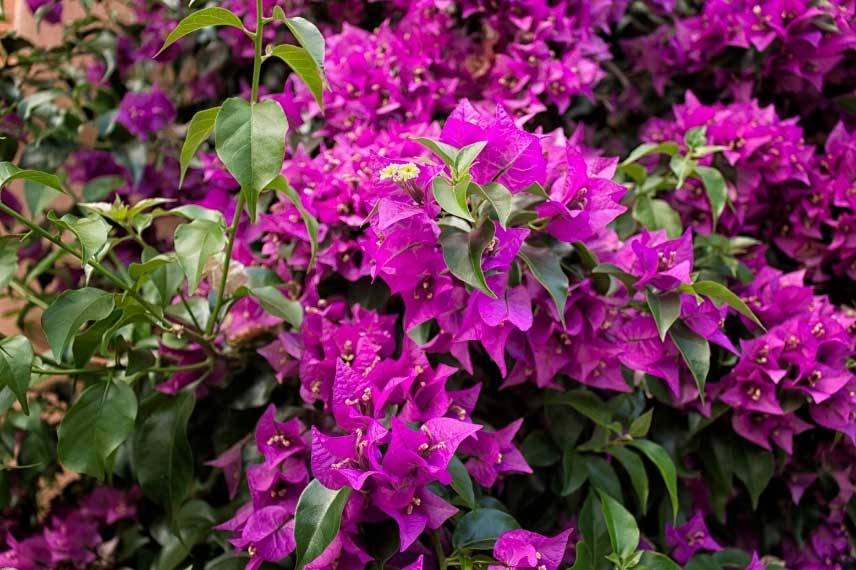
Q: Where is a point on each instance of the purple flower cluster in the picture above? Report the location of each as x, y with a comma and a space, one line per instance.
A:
70, 536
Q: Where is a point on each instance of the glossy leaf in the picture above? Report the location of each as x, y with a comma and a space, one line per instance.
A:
306, 34
546, 267
161, 457
449, 199
195, 244
250, 140
16, 358
444, 151
498, 196
198, 20
9, 173
198, 131
656, 214
463, 251
462, 483
661, 459
670, 148
717, 192
592, 550
665, 308
621, 526
720, 294
634, 467
657, 561
278, 305
695, 351
574, 472
317, 520
467, 155
602, 475
70, 311
91, 233
95, 426
755, 467
280, 184
300, 60
479, 529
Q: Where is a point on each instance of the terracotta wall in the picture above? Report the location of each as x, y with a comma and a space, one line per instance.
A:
20, 19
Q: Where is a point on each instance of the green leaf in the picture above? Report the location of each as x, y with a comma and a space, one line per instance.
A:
755, 467
621, 526
595, 544
274, 302
479, 529
201, 19
665, 308
16, 358
657, 214
714, 185
670, 147
588, 404
463, 251
498, 196
449, 199
657, 561
280, 184
720, 294
192, 525
466, 155
696, 353
660, 458
195, 243
9, 173
91, 232
696, 137
636, 470
300, 60
574, 472
461, 482
87, 343
546, 267
98, 188
250, 140
161, 455
641, 425
628, 280
9, 246
306, 34
539, 450
70, 311
95, 426
317, 519
138, 271
38, 197
199, 129
445, 152
602, 475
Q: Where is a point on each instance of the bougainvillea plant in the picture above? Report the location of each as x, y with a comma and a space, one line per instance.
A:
424, 284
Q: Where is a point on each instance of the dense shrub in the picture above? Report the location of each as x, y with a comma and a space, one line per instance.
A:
428, 284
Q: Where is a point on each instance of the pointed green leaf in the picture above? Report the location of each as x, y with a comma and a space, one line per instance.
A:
9, 246
546, 267
602, 475
665, 308
199, 129
621, 526
656, 214
595, 544
250, 140
300, 60
636, 470
91, 232
720, 294
670, 147
695, 351
9, 173
461, 482
463, 251
317, 520
450, 200
16, 358
95, 426
574, 472
717, 192
660, 458
195, 244
467, 155
201, 19
498, 196
307, 35
656, 561
278, 305
479, 529
161, 455
755, 467
444, 151
641, 425
280, 184
70, 311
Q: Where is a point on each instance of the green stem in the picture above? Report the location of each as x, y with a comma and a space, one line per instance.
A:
438, 549
46, 263
221, 291
70, 371
257, 61
28, 295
